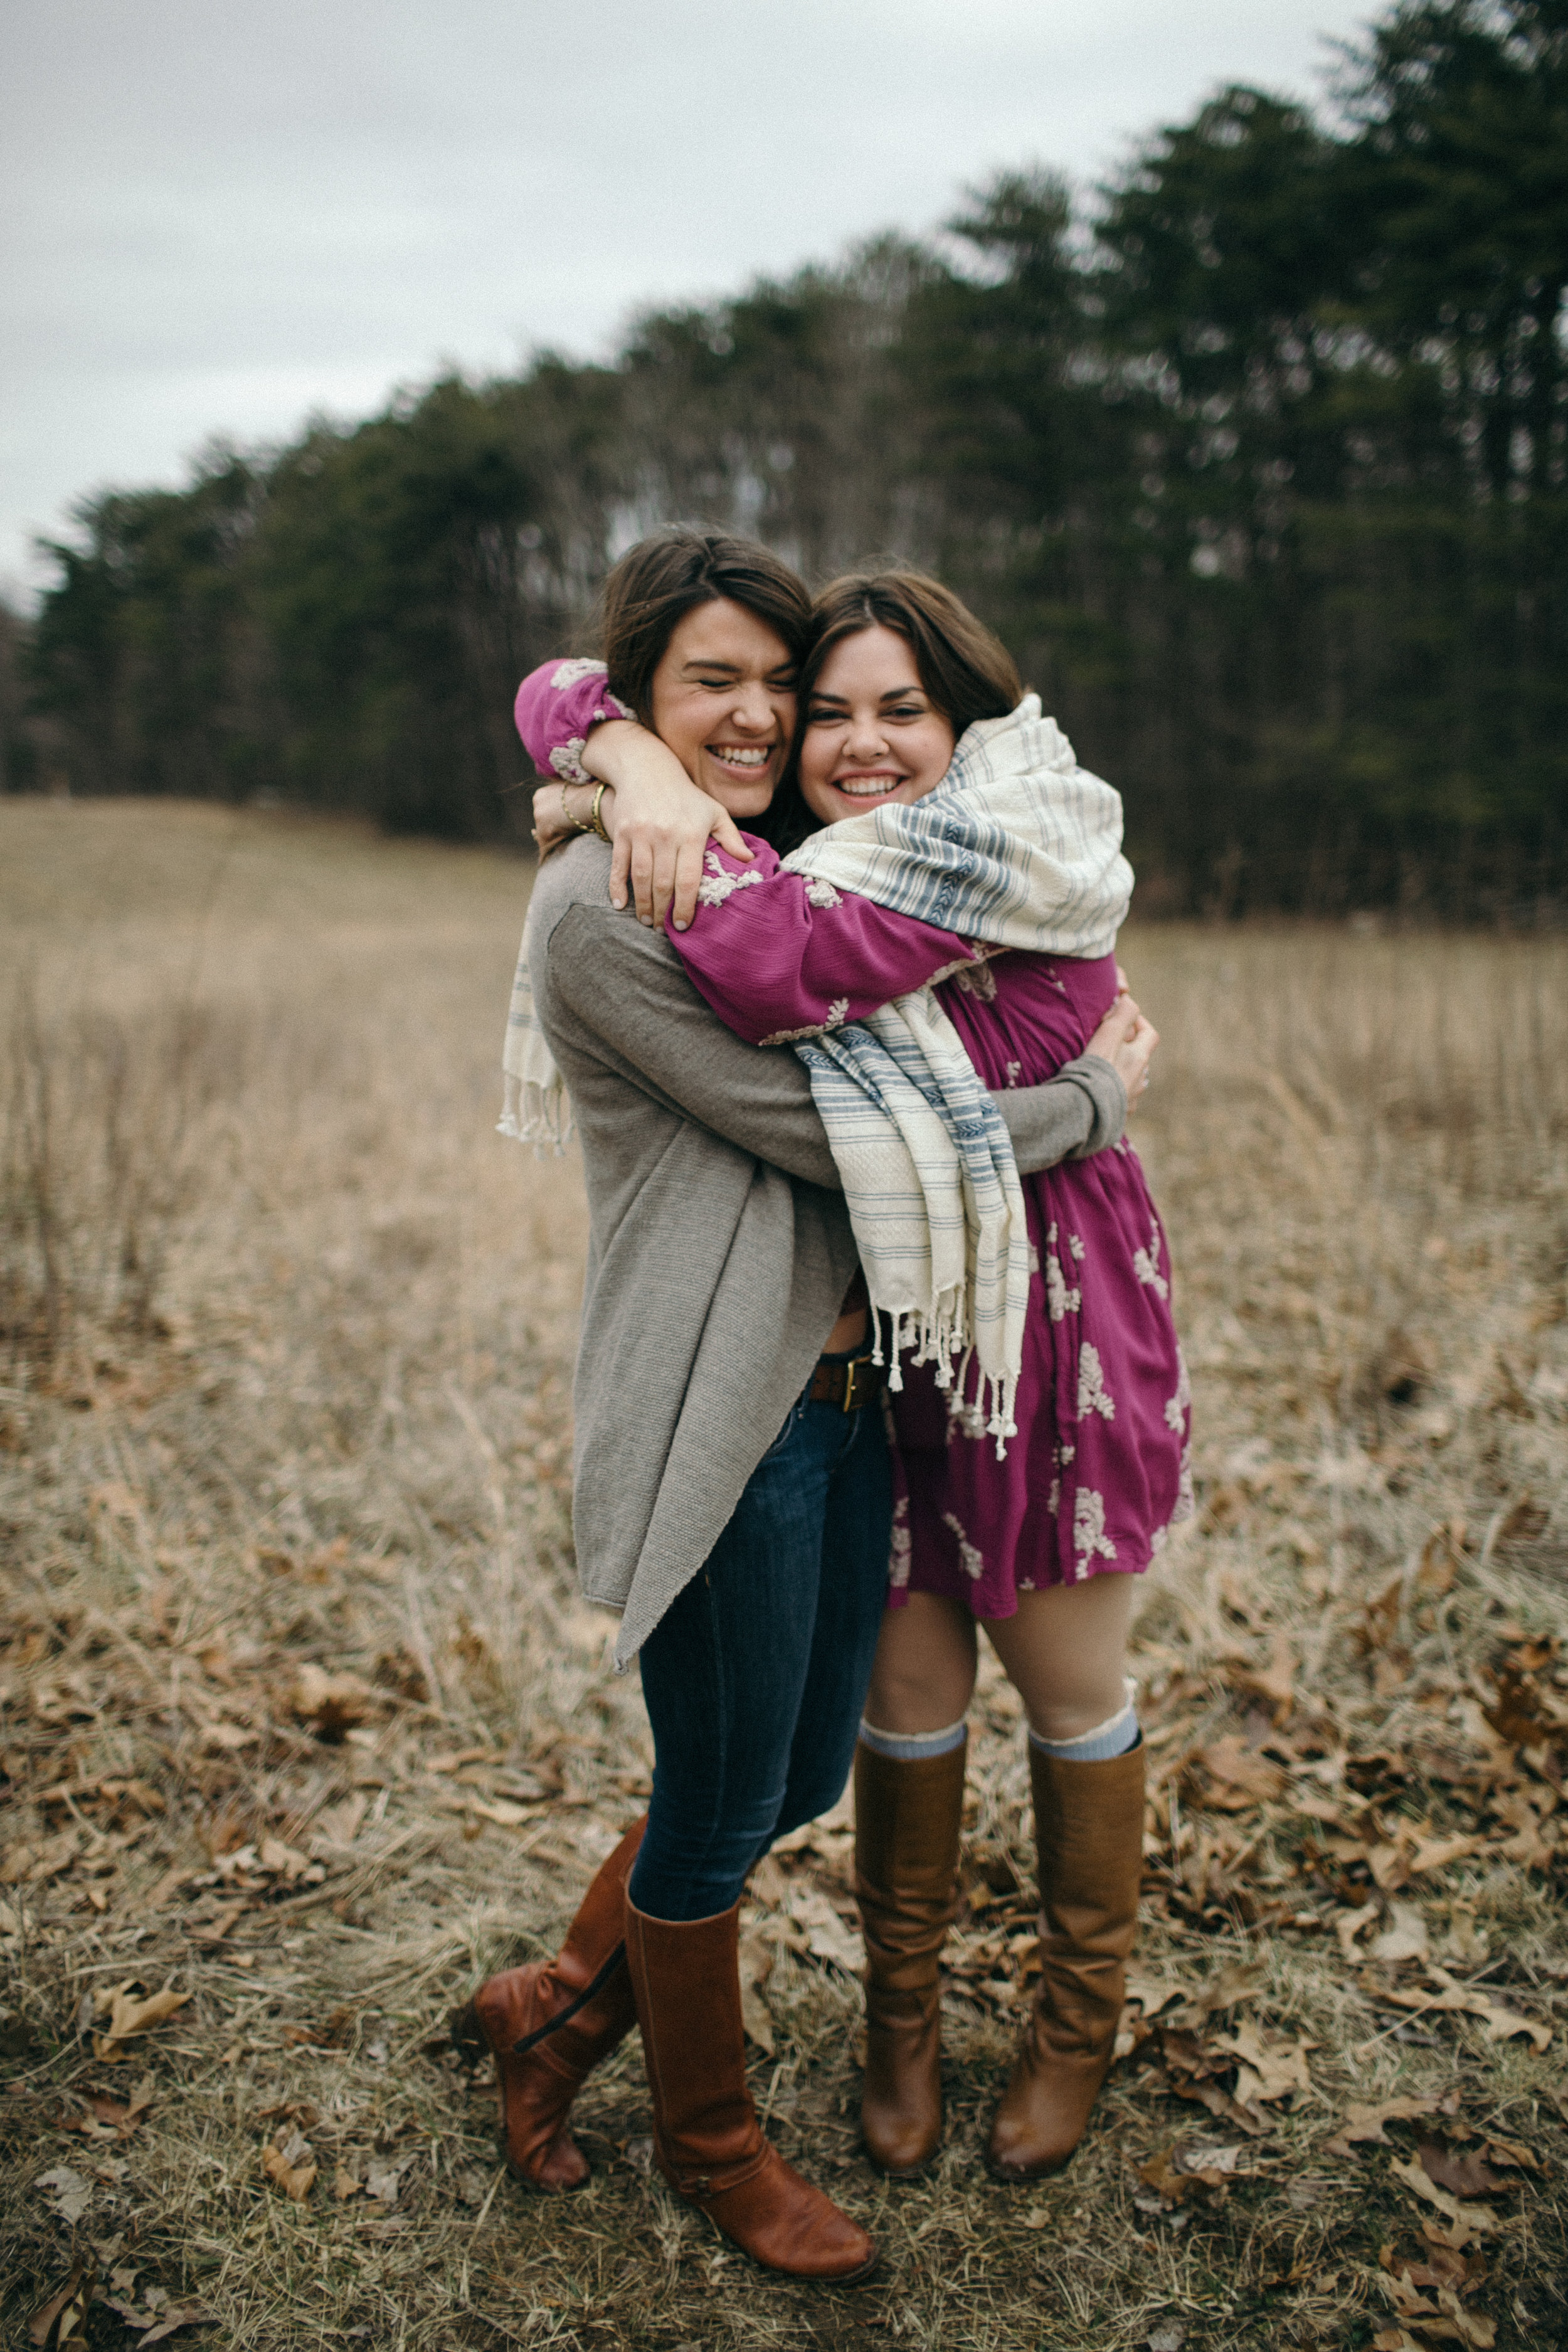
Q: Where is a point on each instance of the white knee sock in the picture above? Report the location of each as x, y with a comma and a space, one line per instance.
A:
909, 1748
1114, 1737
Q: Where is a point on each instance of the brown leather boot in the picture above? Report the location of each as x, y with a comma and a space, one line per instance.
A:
551, 2023
705, 2132
1088, 1833
907, 1819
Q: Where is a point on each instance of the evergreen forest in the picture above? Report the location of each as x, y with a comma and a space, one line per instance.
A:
1257, 458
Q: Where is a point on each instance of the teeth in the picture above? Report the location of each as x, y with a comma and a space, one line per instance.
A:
734, 757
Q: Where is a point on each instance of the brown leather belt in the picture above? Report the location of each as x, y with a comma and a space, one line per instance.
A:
844, 1381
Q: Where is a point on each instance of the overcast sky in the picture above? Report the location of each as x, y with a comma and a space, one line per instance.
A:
218, 218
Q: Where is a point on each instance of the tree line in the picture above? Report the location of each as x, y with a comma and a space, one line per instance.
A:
1258, 463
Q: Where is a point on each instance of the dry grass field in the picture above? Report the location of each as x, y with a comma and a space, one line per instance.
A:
303, 1729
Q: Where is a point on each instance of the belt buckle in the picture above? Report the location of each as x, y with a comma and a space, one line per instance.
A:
852, 1371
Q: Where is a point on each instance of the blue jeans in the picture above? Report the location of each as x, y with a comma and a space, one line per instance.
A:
755, 1676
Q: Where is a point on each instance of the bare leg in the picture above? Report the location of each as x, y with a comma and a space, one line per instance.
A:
1064, 1654
923, 1675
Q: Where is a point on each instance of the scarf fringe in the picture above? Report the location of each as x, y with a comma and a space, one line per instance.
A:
539, 1113
938, 1338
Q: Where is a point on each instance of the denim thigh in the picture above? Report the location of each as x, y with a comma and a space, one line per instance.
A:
754, 1677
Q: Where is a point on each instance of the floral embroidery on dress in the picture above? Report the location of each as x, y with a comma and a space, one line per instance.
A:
572, 673
823, 894
1015, 1071
902, 1547
838, 1012
1088, 1535
979, 980
1093, 1396
972, 1561
718, 883
567, 761
1059, 1299
1075, 1247
1146, 1265
1181, 1404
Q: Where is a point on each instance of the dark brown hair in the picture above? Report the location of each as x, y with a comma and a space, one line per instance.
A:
662, 579
967, 673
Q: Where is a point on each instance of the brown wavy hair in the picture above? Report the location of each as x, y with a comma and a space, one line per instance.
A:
965, 669
669, 574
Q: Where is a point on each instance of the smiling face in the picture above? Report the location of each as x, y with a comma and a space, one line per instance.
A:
871, 732
723, 700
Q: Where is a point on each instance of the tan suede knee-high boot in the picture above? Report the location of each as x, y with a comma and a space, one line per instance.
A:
706, 2137
1089, 1833
907, 1813
551, 2023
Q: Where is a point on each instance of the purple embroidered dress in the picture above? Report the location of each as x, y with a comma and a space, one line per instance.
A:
1098, 1469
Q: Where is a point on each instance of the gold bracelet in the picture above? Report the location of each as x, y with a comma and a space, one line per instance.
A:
578, 823
595, 821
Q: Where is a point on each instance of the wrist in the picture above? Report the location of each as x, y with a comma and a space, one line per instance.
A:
611, 750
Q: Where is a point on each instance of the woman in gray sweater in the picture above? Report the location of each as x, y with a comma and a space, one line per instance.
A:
732, 1493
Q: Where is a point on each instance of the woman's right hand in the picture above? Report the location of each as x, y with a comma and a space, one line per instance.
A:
1127, 1041
659, 820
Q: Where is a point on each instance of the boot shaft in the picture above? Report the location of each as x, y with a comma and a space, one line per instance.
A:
686, 1979
908, 1817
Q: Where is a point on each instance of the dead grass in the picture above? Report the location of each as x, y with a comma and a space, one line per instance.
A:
300, 1716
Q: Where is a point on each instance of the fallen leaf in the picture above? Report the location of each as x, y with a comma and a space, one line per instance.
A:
1516, 1714
127, 2018
827, 1936
61, 2321
383, 2181
1513, 2151
756, 1961
223, 1925
1240, 1777
1501, 2024
1465, 2222
345, 2185
330, 1704
178, 2314
228, 1737
1164, 2176
1437, 1854
1269, 2070
1348, 1925
1209, 2164
1363, 2123
282, 1861
295, 2180
1403, 1939
68, 2194
1463, 2171
1168, 2338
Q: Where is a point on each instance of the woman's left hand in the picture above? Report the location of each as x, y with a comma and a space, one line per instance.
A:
1127, 1041
552, 826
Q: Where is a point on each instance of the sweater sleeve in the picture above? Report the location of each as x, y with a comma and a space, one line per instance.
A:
556, 706
622, 983
779, 956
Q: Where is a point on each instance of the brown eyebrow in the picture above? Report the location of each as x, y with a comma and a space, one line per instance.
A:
894, 694
730, 669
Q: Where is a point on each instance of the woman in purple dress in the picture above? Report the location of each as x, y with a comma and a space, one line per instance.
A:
1040, 1538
